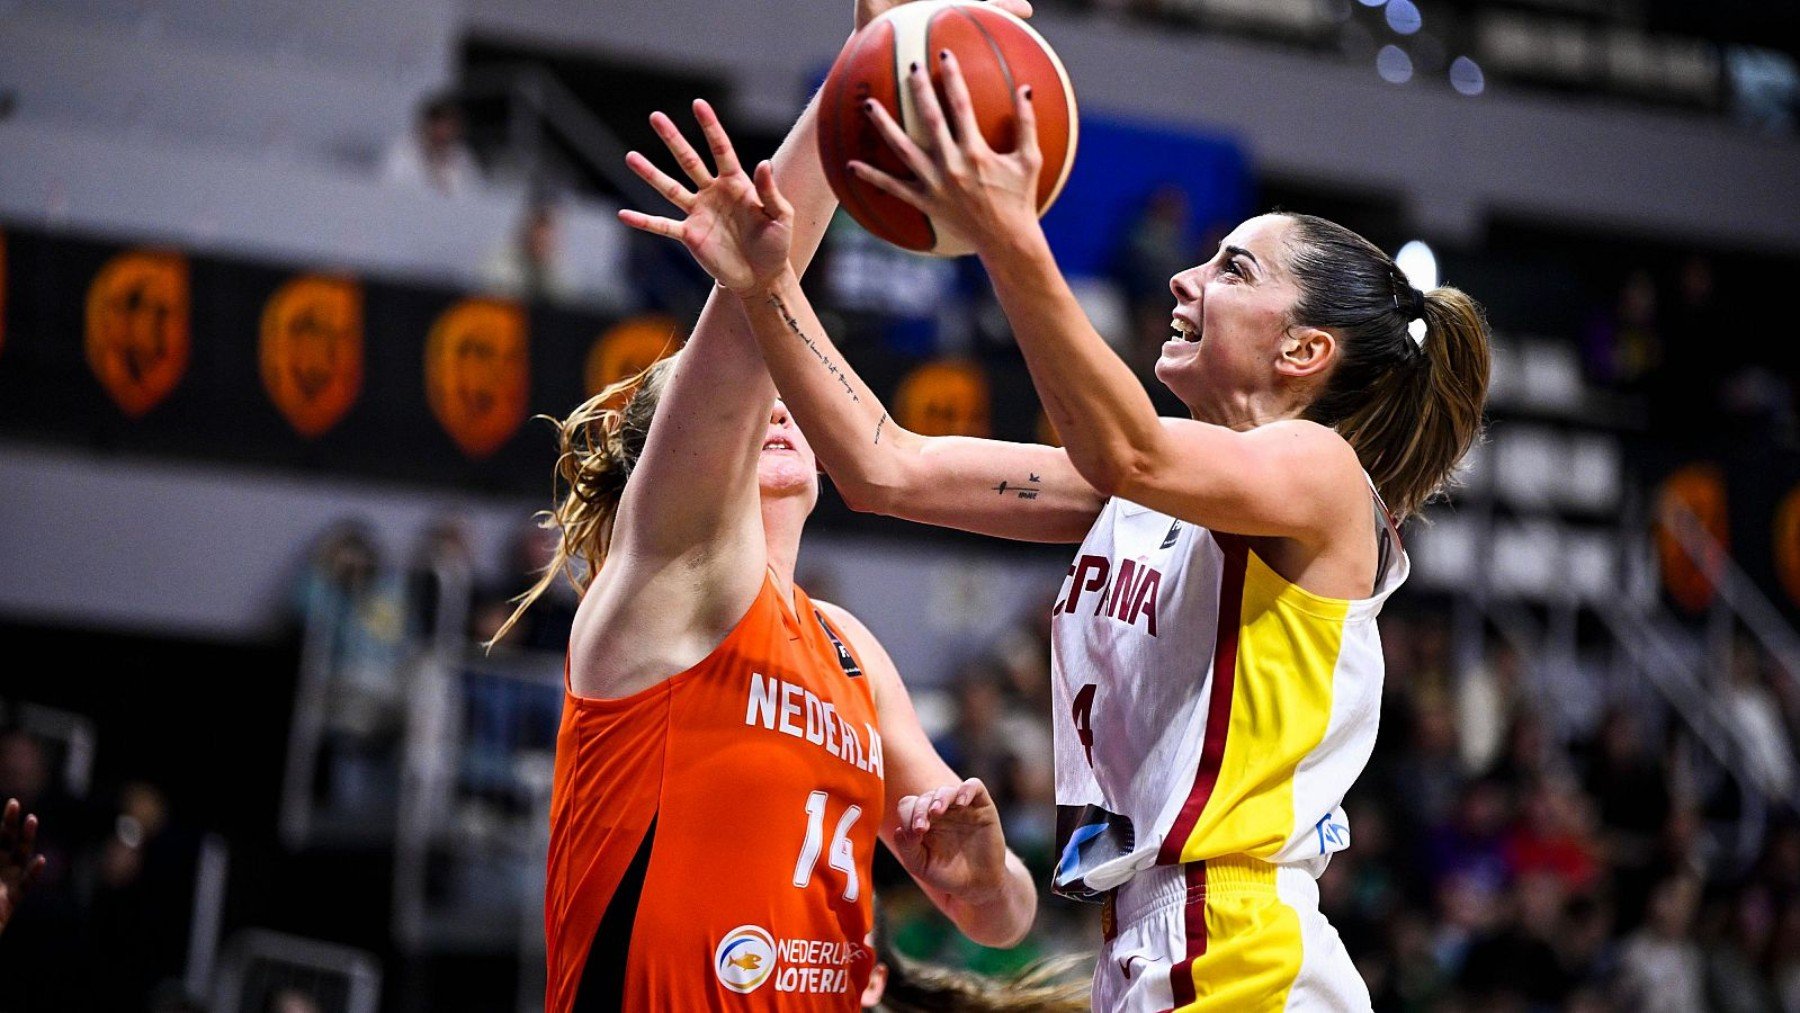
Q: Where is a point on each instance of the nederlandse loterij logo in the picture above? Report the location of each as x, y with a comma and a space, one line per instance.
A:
745, 958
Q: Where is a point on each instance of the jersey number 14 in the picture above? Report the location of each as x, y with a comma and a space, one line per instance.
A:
843, 854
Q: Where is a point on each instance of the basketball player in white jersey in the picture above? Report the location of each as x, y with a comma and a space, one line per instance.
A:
1216, 662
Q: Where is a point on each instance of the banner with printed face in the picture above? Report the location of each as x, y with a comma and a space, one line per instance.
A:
311, 351
137, 328
478, 373
628, 348
1698, 491
944, 398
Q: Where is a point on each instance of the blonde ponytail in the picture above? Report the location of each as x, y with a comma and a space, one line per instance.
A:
598, 447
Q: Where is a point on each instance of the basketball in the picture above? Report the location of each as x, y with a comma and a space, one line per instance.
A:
998, 53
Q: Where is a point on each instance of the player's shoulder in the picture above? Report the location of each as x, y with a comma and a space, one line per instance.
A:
846, 620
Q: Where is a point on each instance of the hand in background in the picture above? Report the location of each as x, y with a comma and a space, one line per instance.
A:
19, 867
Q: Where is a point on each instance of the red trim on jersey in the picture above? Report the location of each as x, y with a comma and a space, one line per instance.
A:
1218, 705
1181, 976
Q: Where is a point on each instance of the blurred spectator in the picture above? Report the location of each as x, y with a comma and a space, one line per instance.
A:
1488, 697
1630, 788
1156, 247
1760, 729
533, 265
1554, 837
1518, 961
545, 626
1624, 345
1736, 951
434, 154
1660, 966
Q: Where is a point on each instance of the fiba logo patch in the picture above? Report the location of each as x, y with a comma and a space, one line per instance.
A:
745, 958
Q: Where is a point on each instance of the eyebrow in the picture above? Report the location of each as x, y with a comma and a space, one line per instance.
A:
1238, 251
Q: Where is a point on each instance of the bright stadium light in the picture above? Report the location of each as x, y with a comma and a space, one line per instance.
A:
1419, 265
1394, 66
1403, 16
1466, 76
1371, 3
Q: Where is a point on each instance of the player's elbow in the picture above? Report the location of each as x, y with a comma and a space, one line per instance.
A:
867, 494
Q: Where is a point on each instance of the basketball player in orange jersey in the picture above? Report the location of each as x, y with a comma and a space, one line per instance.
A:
730, 750
1216, 662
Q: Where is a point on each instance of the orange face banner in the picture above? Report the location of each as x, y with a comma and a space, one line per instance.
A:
944, 399
1698, 491
478, 373
629, 348
1787, 544
312, 351
137, 328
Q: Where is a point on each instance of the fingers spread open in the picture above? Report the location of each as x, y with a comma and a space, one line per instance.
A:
962, 107
651, 224
672, 191
1027, 146
929, 111
724, 156
886, 183
685, 155
915, 158
774, 204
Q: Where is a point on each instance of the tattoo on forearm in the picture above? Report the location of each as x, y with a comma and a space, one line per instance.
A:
1029, 490
824, 360
878, 424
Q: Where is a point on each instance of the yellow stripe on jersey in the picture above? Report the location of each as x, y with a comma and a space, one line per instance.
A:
1287, 654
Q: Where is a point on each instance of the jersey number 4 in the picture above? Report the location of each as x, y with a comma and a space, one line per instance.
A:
1084, 719
843, 853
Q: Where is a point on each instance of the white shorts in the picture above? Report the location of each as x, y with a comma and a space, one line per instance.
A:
1226, 934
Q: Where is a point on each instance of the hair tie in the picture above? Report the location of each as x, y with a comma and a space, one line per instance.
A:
1414, 305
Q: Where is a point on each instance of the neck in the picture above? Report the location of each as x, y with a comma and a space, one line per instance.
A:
784, 520
1244, 411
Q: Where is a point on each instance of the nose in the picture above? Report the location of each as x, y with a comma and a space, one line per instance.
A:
778, 416
1186, 285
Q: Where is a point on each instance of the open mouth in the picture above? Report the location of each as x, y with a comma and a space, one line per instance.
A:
777, 443
1184, 331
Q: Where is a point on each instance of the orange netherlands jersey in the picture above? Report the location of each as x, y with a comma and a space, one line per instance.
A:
711, 837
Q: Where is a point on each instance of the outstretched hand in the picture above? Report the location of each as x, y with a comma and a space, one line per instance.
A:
961, 182
19, 867
738, 227
950, 839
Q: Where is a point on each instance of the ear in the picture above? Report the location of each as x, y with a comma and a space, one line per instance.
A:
1306, 351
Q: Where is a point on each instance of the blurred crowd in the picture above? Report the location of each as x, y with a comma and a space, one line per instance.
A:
1506, 855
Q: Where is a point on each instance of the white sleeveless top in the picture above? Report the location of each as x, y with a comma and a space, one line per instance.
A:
1204, 705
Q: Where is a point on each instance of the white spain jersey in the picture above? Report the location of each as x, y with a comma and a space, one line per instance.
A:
1205, 707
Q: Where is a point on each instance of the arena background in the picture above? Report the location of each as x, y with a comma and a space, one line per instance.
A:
281, 285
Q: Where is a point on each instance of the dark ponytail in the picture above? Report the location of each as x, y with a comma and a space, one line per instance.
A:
1411, 409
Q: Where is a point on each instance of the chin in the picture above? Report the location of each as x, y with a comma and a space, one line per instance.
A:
1181, 376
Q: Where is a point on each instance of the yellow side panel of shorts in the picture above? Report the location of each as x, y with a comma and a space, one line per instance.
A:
1253, 952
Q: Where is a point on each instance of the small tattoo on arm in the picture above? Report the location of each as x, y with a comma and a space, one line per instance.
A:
878, 424
1021, 491
830, 367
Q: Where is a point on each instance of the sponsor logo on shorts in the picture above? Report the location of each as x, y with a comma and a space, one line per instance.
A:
745, 958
